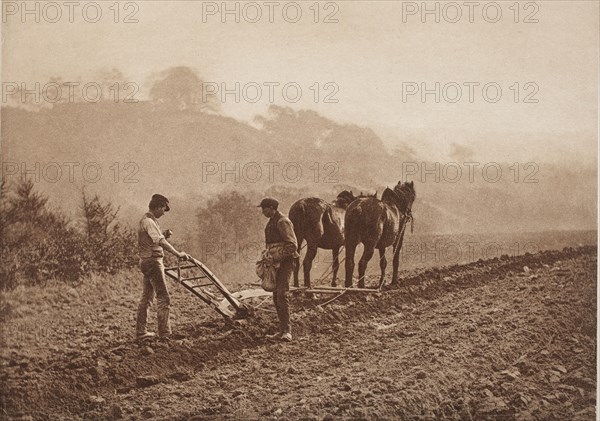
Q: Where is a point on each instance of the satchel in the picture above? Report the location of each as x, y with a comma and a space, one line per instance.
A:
267, 272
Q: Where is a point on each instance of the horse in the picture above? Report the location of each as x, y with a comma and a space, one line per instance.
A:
377, 224
322, 226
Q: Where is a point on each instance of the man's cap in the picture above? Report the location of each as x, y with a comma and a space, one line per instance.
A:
268, 203
159, 200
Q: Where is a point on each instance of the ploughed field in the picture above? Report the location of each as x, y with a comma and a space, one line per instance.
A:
510, 338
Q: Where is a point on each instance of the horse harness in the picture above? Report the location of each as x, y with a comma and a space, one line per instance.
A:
407, 216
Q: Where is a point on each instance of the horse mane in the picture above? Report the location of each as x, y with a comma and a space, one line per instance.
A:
368, 195
402, 196
346, 195
344, 198
389, 196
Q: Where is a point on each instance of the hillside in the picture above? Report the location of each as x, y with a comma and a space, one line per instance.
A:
186, 155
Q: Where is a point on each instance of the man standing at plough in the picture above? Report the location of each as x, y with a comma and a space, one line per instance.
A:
151, 242
282, 244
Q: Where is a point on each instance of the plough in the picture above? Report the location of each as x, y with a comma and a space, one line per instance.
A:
194, 276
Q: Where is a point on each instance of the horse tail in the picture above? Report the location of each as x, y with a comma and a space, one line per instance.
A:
352, 223
297, 216
327, 216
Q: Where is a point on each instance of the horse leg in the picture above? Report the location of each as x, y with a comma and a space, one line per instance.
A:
396, 261
362, 264
297, 265
311, 252
382, 265
336, 265
350, 249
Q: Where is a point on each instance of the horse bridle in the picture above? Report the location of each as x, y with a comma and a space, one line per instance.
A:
407, 214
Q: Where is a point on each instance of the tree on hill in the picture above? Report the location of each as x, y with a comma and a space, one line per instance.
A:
181, 88
304, 126
311, 130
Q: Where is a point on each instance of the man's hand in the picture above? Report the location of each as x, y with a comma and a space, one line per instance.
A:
184, 256
167, 233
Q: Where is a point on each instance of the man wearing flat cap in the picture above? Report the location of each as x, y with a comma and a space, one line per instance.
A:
282, 244
152, 242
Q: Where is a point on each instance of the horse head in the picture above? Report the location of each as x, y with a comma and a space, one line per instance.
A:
402, 196
406, 194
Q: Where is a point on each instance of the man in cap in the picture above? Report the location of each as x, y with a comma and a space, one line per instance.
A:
282, 244
152, 242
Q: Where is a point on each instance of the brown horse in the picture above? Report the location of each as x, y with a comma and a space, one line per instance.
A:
377, 224
322, 226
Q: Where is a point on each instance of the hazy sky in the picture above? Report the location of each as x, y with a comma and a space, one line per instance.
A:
369, 55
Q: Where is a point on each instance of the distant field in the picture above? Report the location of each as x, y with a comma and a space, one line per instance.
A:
436, 250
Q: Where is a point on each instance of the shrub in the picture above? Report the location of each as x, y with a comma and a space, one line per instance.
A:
38, 244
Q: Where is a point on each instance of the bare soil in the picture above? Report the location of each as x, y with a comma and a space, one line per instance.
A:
511, 338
